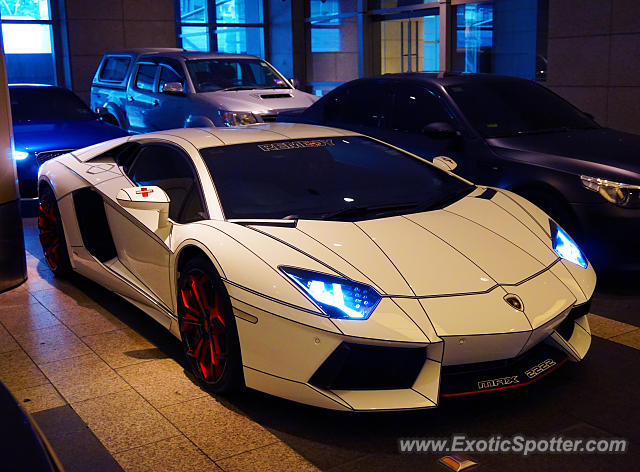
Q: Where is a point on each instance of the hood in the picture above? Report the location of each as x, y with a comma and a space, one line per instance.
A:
62, 134
602, 152
258, 101
470, 246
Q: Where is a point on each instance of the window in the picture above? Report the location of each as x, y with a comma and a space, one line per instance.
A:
321, 178
27, 31
145, 77
416, 107
366, 104
209, 75
29, 103
115, 68
231, 26
169, 169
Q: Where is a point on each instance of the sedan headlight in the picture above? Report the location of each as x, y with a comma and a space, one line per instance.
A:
236, 118
624, 195
20, 155
565, 247
337, 297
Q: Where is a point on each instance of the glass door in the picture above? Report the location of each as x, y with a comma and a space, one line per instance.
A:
410, 44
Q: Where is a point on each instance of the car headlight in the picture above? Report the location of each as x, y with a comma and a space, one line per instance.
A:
565, 247
624, 195
337, 297
20, 155
236, 118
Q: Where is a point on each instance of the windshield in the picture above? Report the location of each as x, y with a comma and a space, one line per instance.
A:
346, 179
505, 108
46, 104
209, 75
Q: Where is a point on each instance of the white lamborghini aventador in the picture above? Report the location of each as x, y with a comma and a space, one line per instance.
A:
320, 265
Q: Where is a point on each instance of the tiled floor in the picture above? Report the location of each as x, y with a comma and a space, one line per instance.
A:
109, 387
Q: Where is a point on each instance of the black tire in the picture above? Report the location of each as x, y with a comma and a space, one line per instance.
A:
208, 328
52, 240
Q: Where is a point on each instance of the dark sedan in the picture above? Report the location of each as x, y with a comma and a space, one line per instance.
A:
510, 133
49, 121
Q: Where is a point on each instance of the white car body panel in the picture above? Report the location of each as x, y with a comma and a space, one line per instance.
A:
443, 274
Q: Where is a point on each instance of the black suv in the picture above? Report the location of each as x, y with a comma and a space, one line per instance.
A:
510, 133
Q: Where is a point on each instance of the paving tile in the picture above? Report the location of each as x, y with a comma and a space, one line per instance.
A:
51, 344
169, 455
84, 377
16, 298
123, 347
42, 397
631, 339
56, 300
277, 456
607, 328
215, 429
7, 343
18, 372
161, 382
29, 317
124, 420
88, 320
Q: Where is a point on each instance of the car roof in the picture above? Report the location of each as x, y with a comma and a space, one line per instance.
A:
444, 78
210, 137
33, 86
178, 53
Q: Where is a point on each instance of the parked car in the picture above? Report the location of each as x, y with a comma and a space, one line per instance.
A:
320, 265
49, 121
510, 133
146, 90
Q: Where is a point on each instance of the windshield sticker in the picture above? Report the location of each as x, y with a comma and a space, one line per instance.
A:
296, 144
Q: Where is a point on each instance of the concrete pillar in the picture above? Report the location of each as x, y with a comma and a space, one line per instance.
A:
13, 264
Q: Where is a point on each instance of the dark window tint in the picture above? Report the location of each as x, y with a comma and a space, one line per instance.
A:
145, 76
169, 75
115, 68
365, 104
416, 107
511, 108
316, 178
47, 103
169, 169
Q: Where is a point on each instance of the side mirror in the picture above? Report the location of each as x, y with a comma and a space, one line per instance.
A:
149, 204
445, 163
440, 129
295, 82
172, 88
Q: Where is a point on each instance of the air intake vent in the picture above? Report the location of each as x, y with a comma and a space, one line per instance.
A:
44, 156
269, 118
276, 95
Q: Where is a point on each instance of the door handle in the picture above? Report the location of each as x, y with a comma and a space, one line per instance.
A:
156, 102
131, 99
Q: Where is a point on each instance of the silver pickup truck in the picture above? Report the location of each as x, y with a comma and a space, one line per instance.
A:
144, 90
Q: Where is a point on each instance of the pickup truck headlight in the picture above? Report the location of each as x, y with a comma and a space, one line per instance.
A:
337, 297
623, 195
237, 118
565, 247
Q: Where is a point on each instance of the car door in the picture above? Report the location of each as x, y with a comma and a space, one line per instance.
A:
171, 112
143, 251
142, 98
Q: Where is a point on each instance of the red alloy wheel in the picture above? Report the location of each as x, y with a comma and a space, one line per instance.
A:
49, 232
203, 326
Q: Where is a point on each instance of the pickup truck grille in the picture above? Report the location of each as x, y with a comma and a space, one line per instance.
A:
44, 156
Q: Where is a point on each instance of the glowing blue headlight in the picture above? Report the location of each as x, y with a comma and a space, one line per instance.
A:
564, 246
338, 297
20, 155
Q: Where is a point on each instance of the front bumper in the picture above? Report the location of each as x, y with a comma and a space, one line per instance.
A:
334, 371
